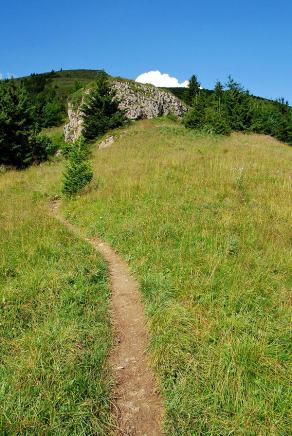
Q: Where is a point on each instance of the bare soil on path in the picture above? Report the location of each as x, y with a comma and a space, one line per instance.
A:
137, 403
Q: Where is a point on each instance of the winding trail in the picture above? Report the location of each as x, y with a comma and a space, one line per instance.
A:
138, 406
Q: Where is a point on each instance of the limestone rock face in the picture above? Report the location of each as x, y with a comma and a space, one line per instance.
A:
73, 129
146, 101
137, 100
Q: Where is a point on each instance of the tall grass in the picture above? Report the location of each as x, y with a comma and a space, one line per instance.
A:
204, 223
54, 323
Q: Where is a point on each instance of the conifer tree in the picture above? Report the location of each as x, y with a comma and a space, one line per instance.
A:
20, 144
237, 106
194, 118
78, 172
218, 95
101, 109
193, 90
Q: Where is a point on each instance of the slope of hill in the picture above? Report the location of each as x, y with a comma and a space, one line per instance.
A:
65, 80
204, 223
227, 108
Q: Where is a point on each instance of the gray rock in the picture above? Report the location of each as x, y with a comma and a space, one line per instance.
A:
146, 101
106, 143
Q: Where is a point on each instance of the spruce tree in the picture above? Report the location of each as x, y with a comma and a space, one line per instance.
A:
193, 90
238, 106
78, 172
194, 118
19, 142
218, 95
216, 122
101, 109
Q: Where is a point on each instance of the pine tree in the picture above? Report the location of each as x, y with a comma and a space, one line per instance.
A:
194, 118
78, 172
193, 90
238, 106
101, 110
216, 122
218, 95
19, 143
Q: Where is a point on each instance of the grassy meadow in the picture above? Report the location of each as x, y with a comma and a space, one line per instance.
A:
54, 322
205, 225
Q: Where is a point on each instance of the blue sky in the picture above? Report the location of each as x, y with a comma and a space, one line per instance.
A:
251, 40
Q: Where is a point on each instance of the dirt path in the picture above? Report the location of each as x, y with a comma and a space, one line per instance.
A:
138, 406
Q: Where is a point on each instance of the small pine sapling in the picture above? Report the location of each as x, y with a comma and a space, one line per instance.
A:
78, 172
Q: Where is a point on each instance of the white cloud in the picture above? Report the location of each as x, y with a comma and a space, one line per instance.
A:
159, 79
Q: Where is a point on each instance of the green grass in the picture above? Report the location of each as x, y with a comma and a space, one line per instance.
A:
204, 223
54, 322
65, 80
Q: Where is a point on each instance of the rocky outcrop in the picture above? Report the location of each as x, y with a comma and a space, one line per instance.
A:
73, 129
146, 101
136, 99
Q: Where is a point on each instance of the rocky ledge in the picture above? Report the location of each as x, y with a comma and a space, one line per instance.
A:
137, 100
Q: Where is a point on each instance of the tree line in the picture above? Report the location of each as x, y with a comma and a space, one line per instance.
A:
232, 108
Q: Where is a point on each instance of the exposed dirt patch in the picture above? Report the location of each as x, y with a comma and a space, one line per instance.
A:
138, 406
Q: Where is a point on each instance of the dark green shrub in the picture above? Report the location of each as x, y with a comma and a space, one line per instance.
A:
78, 172
272, 118
42, 148
193, 119
53, 114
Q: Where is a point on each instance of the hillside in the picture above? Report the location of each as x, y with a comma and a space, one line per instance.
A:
52, 98
65, 81
204, 223
135, 100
